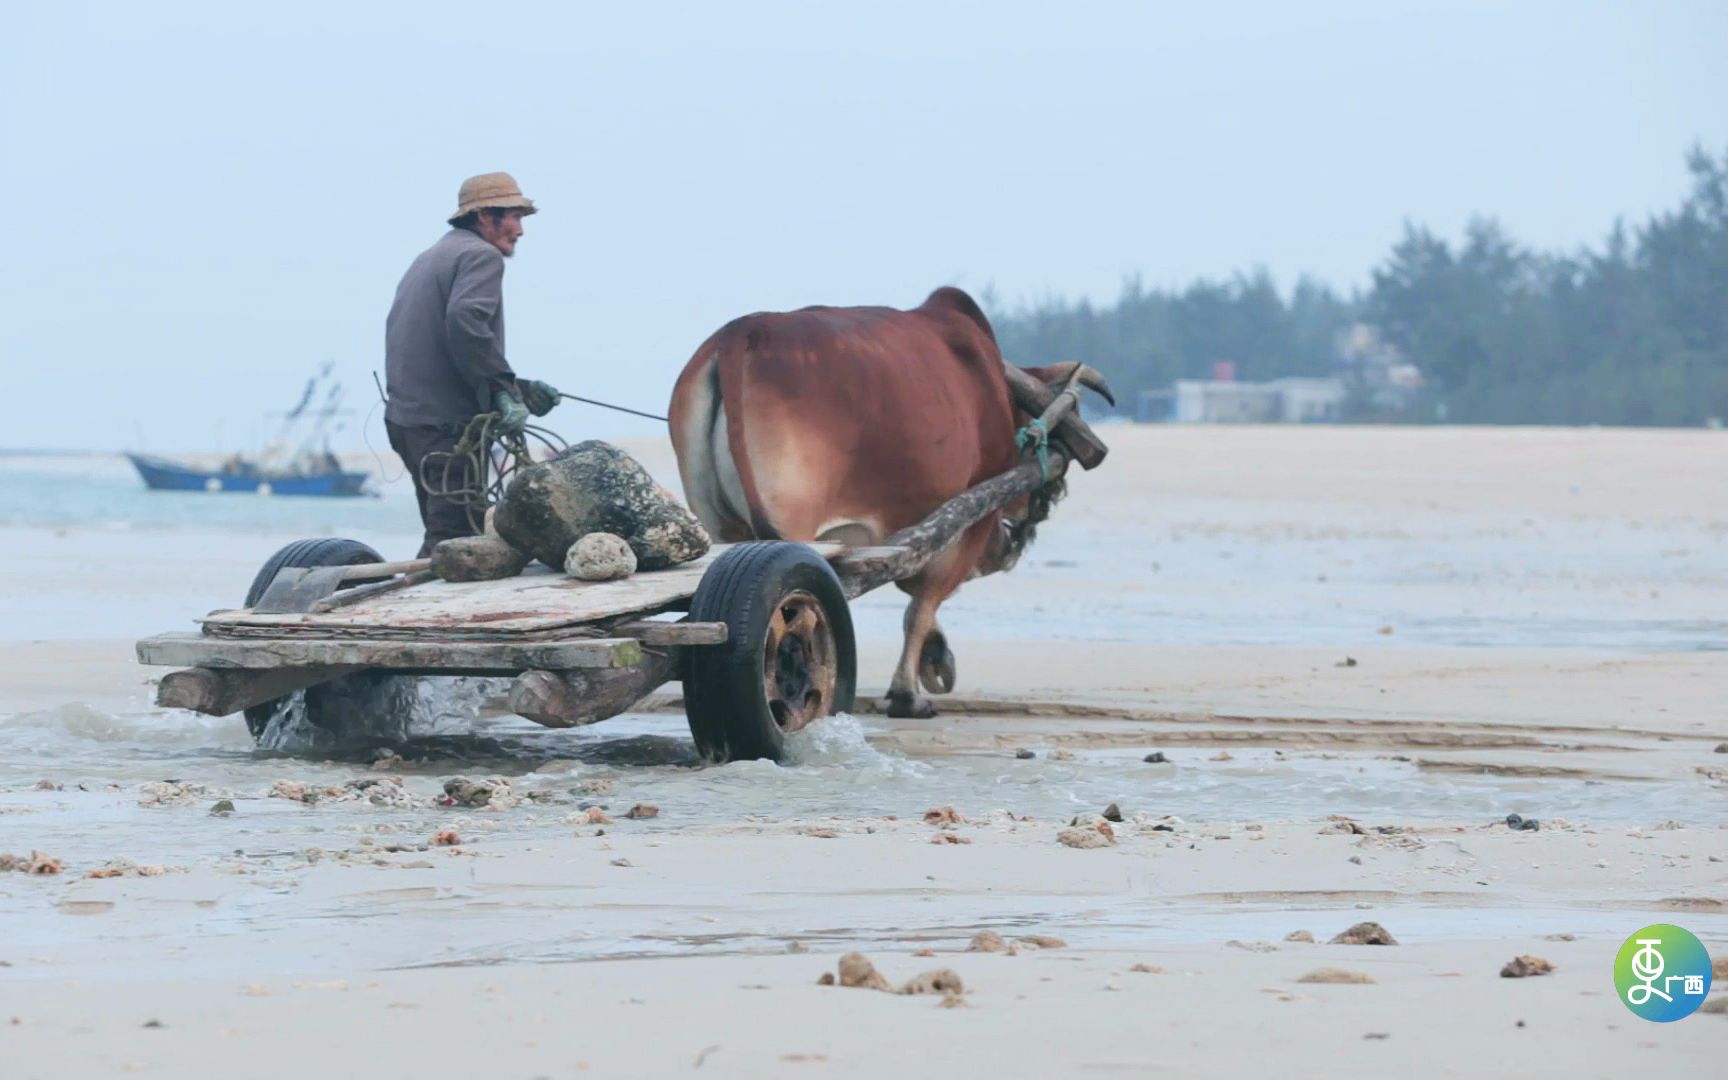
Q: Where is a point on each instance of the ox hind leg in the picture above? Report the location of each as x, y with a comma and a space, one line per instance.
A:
925, 657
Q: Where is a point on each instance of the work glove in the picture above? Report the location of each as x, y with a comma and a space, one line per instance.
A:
512, 414
539, 396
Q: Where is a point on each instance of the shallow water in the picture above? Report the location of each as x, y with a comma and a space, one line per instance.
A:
831, 770
1207, 572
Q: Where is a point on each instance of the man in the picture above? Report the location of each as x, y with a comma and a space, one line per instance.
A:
444, 357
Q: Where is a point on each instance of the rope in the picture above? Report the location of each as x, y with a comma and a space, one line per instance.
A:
1035, 435
615, 408
488, 458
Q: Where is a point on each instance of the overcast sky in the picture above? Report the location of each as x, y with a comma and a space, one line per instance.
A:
208, 201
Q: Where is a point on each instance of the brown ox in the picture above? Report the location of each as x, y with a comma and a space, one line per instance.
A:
847, 424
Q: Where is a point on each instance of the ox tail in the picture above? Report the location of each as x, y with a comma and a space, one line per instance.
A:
710, 475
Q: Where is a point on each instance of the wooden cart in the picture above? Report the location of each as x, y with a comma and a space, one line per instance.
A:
759, 634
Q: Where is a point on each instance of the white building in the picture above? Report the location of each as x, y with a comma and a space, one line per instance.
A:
1210, 401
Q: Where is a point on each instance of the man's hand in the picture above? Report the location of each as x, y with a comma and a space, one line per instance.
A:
512, 414
540, 397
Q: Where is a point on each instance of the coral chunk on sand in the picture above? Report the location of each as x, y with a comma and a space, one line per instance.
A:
1365, 933
1522, 967
1336, 975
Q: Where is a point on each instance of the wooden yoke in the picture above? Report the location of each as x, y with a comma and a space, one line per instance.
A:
906, 552
1082, 443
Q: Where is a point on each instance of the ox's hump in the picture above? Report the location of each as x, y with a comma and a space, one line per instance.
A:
949, 298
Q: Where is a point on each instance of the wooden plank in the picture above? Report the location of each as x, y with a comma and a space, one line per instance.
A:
196, 650
535, 601
674, 633
222, 693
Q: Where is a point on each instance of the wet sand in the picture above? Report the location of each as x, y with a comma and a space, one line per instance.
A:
289, 936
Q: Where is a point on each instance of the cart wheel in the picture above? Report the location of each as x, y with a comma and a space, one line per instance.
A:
320, 551
789, 657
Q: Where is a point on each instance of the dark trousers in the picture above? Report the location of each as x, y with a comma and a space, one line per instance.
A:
443, 518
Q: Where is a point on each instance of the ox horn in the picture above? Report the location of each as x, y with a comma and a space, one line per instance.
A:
1025, 389
1090, 378
1085, 375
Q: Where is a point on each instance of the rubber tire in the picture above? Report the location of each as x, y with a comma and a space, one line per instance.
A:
723, 699
318, 551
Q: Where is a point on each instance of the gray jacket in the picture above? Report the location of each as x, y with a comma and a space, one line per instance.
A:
444, 337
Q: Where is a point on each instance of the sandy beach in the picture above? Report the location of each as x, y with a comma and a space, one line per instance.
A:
1358, 649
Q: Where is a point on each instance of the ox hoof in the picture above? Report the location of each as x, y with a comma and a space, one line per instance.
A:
936, 671
905, 706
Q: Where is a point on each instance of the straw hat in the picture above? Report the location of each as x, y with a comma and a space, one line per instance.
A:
497, 189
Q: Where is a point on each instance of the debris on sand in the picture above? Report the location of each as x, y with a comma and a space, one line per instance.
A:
1148, 969
292, 790
1042, 941
172, 793
35, 863
593, 815
600, 556
1156, 757
40, 863
1223, 755
944, 981
622, 862
950, 838
925, 953
1522, 824
494, 792
1345, 826
1251, 946
446, 838
1024, 754
1717, 1005
477, 558
1339, 976
1561, 937
643, 810
1112, 813
1100, 835
1521, 967
858, 972
377, 790
599, 785
797, 947
1061, 755
127, 868
222, 808
48, 785
1299, 935
1348, 661
988, 941
1365, 933
942, 815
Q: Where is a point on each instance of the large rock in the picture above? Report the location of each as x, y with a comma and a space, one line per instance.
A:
596, 487
477, 558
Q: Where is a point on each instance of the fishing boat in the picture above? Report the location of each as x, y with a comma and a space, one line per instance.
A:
297, 461
164, 474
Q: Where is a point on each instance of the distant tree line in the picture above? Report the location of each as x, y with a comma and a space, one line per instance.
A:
1634, 332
